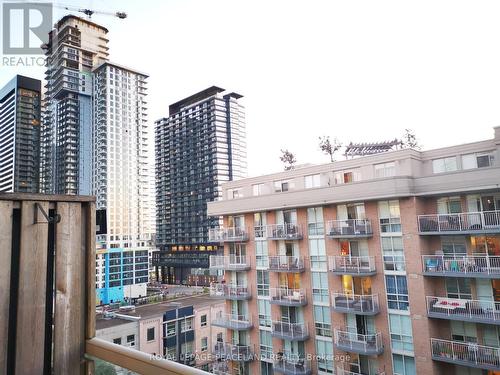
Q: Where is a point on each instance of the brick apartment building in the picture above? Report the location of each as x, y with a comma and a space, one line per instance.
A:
384, 264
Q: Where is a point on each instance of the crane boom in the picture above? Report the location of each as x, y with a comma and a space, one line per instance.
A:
90, 12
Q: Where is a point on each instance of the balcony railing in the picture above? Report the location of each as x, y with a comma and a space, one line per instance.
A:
466, 354
341, 371
350, 228
233, 352
283, 263
232, 321
347, 265
230, 262
230, 291
287, 231
483, 266
289, 366
233, 234
355, 303
487, 312
221, 368
466, 222
370, 344
290, 331
287, 297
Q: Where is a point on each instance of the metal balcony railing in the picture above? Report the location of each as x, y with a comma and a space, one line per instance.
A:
234, 234
341, 371
348, 265
232, 321
369, 344
350, 228
289, 331
487, 312
283, 263
287, 297
286, 231
292, 366
230, 262
230, 291
355, 303
260, 231
233, 352
461, 266
465, 222
466, 354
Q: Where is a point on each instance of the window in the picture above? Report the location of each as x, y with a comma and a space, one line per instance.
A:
258, 189
322, 321
404, 365
264, 312
449, 205
401, 332
482, 160
234, 193
203, 320
131, 340
392, 250
389, 215
284, 185
397, 292
317, 253
259, 222
204, 344
444, 165
117, 341
324, 350
313, 181
186, 324
458, 288
261, 254
266, 344
463, 331
151, 334
262, 283
320, 286
171, 331
315, 224
346, 177
385, 170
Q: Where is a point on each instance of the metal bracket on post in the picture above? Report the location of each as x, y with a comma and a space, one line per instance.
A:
38, 208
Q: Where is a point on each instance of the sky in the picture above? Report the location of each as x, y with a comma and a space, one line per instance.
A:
356, 70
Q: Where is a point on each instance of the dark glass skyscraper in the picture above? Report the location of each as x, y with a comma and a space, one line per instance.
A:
201, 145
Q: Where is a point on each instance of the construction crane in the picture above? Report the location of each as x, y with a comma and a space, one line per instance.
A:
90, 12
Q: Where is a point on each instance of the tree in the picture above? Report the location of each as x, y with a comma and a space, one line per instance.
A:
329, 147
288, 159
409, 140
103, 368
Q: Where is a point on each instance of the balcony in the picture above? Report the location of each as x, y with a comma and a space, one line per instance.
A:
231, 292
356, 266
233, 234
350, 228
341, 371
233, 352
49, 240
480, 266
287, 231
289, 366
290, 331
287, 297
355, 303
466, 354
283, 263
487, 312
370, 344
461, 223
230, 262
232, 321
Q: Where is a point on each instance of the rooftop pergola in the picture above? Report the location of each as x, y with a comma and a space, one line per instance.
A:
365, 149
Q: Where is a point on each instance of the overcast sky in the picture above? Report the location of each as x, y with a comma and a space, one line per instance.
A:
357, 70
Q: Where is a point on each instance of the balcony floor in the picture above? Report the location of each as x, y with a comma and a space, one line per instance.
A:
360, 348
353, 273
347, 310
474, 318
463, 362
234, 325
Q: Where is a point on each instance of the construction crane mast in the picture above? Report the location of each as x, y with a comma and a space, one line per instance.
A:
90, 12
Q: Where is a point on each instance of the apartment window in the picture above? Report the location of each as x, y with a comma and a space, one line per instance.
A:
131, 340
204, 344
312, 181
444, 165
186, 324
449, 205
397, 292
458, 288
463, 331
392, 250
390, 219
266, 344
264, 312
117, 341
346, 177
481, 160
283, 185
257, 189
262, 283
320, 286
322, 321
259, 222
404, 365
401, 332
234, 193
171, 331
261, 254
315, 225
203, 320
317, 253
385, 170
150, 334
324, 350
